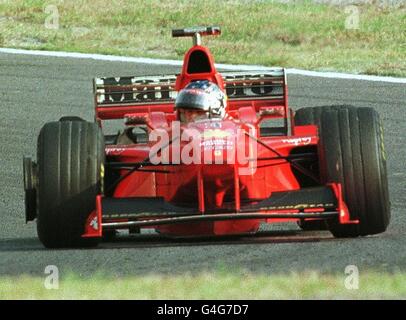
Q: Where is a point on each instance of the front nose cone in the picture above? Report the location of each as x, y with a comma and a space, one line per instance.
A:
220, 152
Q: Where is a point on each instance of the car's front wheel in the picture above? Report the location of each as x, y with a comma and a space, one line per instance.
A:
70, 156
352, 153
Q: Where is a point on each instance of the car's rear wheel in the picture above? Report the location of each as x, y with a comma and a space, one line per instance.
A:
71, 118
352, 153
70, 156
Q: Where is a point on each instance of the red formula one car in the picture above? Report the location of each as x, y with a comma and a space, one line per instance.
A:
322, 167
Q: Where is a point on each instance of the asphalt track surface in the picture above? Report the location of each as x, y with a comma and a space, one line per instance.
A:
34, 90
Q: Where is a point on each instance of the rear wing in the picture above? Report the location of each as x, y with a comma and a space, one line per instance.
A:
115, 97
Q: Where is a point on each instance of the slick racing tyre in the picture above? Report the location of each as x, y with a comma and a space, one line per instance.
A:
70, 156
352, 153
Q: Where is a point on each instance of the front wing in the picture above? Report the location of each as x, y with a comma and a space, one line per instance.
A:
323, 202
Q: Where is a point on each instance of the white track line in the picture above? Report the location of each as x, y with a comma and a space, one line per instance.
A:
102, 57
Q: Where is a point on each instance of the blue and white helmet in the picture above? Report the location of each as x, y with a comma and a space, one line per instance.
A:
203, 95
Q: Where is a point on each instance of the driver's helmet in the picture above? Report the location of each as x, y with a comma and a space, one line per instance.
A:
200, 100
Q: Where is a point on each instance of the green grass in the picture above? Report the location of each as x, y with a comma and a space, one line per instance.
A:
219, 285
301, 35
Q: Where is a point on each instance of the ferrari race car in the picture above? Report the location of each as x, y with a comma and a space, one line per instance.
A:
322, 167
